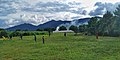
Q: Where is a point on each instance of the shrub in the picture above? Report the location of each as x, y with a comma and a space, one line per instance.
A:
62, 28
40, 29
26, 34
16, 33
3, 33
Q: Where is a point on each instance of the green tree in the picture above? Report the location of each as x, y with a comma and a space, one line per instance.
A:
105, 23
1, 29
62, 28
40, 29
74, 28
3, 33
116, 23
15, 33
92, 24
83, 28
18, 30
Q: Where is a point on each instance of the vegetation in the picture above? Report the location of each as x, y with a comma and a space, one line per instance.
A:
83, 28
40, 29
92, 25
18, 33
49, 29
3, 33
58, 47
62, 28
108, 25
74, 28
1, 29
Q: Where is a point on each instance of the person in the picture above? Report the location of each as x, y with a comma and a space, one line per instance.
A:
43, 39
21, 36
34, 37
65, 34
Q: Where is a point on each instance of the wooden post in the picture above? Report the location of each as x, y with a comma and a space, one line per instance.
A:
65, 34
43, 39
96, 35
49, 33
34, 37
10, 36
21, 36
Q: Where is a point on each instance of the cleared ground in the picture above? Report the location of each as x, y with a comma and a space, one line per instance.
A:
58, 47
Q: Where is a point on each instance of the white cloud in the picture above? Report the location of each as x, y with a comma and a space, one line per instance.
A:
13, 12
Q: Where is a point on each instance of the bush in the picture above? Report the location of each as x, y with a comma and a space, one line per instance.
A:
26, 34
115, 34
42, 33
40, 29
1, 29
3, 33
74, 28
49, 29
62, 28
16, 33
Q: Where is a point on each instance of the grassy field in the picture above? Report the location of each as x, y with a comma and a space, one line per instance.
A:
58, 47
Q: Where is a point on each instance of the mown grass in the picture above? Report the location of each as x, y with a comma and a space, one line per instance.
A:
58, 47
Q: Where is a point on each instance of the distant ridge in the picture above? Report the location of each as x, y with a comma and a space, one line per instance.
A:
49, 24
52, 24
25, 26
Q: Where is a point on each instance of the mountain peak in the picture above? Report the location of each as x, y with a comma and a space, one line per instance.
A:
49, 24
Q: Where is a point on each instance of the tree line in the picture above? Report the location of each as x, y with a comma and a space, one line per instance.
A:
108, 25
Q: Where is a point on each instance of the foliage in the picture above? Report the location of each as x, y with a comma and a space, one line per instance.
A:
109, 24
83, 28
105, 23
15, 33
92, 24
49, 29
40, 29
18, 30
62, 28
1, 29
26, 33
74, 28
3, 33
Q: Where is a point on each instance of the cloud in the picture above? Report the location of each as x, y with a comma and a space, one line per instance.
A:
74, 3
14, 12
102, 8
51, 4
55, 7
6, 8
47, 7
11, 6
2, 23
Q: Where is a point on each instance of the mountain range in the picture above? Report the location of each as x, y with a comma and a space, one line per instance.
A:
49, 24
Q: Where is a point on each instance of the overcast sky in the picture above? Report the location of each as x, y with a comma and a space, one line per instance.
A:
15, 12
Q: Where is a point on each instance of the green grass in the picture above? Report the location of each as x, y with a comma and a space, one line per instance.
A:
58, 47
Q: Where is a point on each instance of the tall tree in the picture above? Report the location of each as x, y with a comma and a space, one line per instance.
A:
92, 25
83, 28
74, 28
105, 23
116, 28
